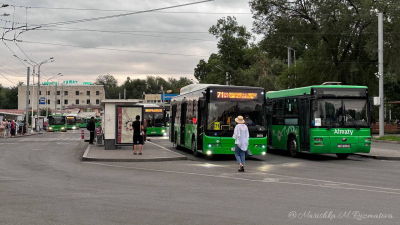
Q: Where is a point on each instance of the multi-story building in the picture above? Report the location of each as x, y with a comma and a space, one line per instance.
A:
67, 96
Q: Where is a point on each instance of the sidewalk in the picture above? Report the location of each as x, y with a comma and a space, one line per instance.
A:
26, 135
151, 153
381, 153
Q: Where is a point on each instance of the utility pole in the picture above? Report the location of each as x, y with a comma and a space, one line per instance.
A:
38, 99
27, 97
380, 56
55, 100
33, 124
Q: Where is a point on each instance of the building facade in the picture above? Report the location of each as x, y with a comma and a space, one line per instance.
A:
62, 97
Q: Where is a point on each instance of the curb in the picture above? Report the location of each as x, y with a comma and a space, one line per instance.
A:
393, 142
394, 158
27, 135
85, 158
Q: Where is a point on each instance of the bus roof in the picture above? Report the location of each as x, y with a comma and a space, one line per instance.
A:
305, 90
148, 105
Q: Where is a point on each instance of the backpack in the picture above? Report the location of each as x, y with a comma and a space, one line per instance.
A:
88, 125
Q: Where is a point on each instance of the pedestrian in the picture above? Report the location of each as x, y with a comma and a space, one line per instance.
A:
20, 128
2, 128
9, 128
91, 126
241, 136
138, 134
16, 128
12, 128
24, 128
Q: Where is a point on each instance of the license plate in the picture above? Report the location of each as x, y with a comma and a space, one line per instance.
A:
260, 135
343, 146
153, 132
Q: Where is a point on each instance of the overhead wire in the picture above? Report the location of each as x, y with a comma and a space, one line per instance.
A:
120, 15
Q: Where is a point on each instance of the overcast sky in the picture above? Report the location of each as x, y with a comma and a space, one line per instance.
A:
139, 41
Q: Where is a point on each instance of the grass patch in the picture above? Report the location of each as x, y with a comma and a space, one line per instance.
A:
389, 138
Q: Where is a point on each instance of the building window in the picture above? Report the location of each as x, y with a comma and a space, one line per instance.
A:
97, 92
65, 92
97, 101
48, 101
76, 92
29, 101
48, 92
58, 92
66, 101
77, 101
58, 101
88, 101
40, 92
87, 92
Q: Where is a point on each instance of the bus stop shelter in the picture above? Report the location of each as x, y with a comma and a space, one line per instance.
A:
117, 121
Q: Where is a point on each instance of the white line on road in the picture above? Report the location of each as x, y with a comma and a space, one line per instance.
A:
260, 181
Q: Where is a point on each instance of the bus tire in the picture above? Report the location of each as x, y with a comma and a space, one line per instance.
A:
194, 150
342, 155
292, 147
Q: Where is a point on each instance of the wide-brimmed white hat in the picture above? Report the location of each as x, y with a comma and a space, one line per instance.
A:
239, 119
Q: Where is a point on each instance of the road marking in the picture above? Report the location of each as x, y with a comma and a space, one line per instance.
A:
164, 148
261, 181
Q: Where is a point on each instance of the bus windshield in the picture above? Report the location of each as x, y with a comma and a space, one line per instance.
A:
341, 113
71, 120
221, 115
154, 119
57, 120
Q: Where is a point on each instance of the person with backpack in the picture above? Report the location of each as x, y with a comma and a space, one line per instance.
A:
91, 126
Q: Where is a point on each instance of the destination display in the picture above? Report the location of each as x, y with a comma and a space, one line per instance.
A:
153, 110
240, 95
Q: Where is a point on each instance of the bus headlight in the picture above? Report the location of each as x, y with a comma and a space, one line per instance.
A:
62, 128
73, 128
209, 152
367, 139
162, 131
263, 146
50, 128
263, 153
318, 139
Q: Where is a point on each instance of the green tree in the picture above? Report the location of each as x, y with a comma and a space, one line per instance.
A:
333, 40
110, 85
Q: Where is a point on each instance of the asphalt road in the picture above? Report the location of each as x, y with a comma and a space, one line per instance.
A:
44, 181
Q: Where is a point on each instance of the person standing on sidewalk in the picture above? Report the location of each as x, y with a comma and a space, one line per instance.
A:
138, 134
91, 126
241, 136
2, 128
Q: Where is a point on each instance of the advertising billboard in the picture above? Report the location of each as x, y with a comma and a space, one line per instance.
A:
125, 115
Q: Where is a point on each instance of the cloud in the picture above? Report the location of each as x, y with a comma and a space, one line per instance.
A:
85, 64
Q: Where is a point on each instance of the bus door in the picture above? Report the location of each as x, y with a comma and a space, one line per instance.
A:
269, 111
200, 123
304, 124
172, 121
183, 122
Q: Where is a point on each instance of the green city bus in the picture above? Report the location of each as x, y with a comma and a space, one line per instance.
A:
83, 122
72, 123
97, 121
319, 119
155, 120
203, 118
57, 123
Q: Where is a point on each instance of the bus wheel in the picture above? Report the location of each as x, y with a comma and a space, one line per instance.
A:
194, 150
342, 155
292, 147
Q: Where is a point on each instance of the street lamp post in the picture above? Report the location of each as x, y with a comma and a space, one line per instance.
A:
40, 64
47, 90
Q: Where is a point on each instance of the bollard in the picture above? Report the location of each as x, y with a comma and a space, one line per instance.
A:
83, 134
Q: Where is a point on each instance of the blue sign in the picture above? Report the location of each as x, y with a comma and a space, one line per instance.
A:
42, 100
168, 96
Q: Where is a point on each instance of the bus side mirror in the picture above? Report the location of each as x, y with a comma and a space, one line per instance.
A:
202, 103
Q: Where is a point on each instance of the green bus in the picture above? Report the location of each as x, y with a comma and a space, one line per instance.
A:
155, 120
203, 118
57, 123
72, 123
83, 121
319, 119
